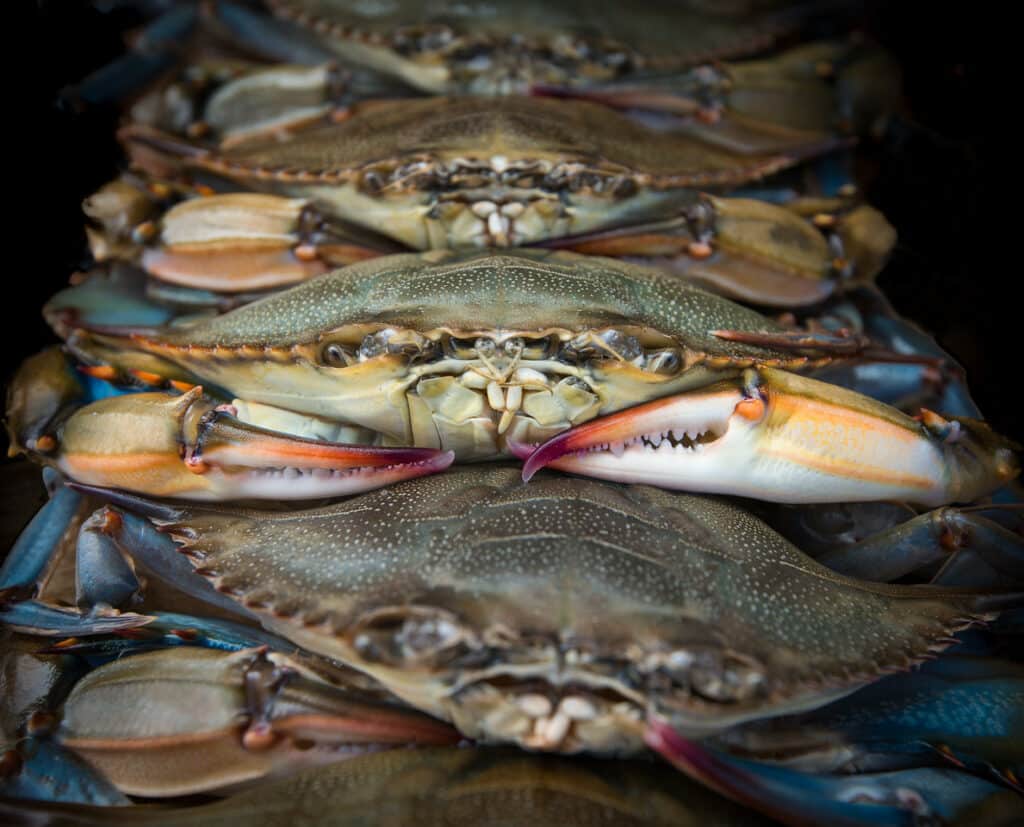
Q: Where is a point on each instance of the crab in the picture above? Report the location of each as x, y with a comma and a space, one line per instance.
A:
486, 354
655, 641
671, 605
652, 58
470, 173
678, 617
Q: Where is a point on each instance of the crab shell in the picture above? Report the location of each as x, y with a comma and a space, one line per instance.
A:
507, 46
561, 614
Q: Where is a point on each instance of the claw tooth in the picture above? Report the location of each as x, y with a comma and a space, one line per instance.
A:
618, 448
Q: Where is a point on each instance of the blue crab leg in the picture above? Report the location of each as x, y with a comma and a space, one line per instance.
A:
155, 51
277, 40
937, 382
776, 436
121, 533
24, 568
973, 551
804, 800
169, 629
41, 770
103, 577
29, 556
116, 296
962, 711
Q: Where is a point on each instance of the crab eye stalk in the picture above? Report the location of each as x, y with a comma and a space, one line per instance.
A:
485, 347
335, 355
608, 344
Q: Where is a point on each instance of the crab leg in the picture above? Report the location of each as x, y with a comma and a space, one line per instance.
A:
912, 718
776, 436
799, 799
186, 720
739, 247
154, 52
24, 570
186, 446
972, 550
111, 541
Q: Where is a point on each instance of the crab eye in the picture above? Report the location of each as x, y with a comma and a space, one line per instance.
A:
424, 639
663, 361
334, 355
372, 182
724, 677
485, 347
514, 347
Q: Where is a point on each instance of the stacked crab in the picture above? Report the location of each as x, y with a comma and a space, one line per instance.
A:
391, 309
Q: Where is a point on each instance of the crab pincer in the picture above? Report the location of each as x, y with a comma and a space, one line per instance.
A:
190, 447
777, 436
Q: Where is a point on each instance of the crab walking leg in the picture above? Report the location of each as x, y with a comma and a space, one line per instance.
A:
186, 446
776, 436
25, 567
972, 550
110, 537
30, 555
913, 796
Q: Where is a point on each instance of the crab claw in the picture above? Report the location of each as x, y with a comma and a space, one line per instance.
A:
776, 436
186, 446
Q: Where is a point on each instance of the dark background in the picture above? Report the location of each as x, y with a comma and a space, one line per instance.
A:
952, 272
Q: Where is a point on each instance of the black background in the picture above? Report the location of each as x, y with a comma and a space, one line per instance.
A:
952, 272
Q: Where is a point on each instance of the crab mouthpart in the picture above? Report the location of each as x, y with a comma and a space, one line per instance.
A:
248, 461
540, 716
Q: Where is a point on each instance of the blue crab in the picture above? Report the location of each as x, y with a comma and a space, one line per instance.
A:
467, 173
672, 606
486, 354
